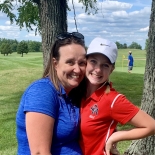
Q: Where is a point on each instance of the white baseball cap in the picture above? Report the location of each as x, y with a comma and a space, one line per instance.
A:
103, 46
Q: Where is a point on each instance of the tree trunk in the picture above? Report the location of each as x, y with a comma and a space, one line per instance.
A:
146, 146
53, 19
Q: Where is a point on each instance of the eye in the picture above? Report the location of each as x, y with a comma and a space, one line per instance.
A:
93, 61
70, 62
82, 63
105, 65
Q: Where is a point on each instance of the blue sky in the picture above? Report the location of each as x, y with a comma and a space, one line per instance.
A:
120, 20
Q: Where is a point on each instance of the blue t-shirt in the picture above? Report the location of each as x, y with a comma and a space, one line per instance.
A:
130, 57
41, 96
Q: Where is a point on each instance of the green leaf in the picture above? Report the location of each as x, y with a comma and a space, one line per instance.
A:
7, 7
28, 14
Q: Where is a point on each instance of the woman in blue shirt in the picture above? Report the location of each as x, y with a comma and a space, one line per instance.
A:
47, 118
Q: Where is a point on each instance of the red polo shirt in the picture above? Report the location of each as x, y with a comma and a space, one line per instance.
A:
100, 114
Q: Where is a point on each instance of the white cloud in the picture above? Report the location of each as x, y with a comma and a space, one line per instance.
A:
122, 21
142, 3
119, 21
85, 29
146, 29
75, 2
1, 1
121, 14
114, 5
5, 28
8, 22
9, 33
31, 34
71, 20
78, 6
143, 12
3, 16
13, 34
9, 28
104, 32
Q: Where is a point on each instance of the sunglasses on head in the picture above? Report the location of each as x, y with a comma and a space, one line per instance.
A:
66, 35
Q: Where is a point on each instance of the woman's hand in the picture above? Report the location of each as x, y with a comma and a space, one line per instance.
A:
108, 147
114, 149
111, 146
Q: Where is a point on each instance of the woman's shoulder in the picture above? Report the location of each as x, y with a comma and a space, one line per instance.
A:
113, 95
43, 84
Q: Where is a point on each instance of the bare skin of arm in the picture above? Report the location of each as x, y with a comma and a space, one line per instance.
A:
128, 62
39, 129
144, 126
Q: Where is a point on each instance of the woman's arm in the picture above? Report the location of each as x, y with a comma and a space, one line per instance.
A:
144, 126
39, 128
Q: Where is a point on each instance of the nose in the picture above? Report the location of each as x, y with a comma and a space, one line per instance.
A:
98, 69
77, 68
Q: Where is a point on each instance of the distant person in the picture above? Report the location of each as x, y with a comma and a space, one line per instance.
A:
48, 116
130, 62
102, 107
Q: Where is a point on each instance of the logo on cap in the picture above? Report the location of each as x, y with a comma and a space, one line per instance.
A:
104, 45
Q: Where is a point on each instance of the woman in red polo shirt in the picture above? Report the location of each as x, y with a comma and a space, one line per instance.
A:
103, 107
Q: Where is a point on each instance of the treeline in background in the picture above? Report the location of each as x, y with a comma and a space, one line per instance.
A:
133, 45
8, 46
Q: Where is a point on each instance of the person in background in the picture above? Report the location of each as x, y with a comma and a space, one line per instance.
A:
47, 119
130, 62
102, 107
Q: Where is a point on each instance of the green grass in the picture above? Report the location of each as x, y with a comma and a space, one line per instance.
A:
131, 85
17, 72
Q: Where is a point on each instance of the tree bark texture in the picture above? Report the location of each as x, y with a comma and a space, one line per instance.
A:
53, 19
146, 146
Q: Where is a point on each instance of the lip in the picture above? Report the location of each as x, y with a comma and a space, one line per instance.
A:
97, 76
74, 76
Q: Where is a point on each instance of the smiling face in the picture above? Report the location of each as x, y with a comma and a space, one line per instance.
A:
71, 65
98, 69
